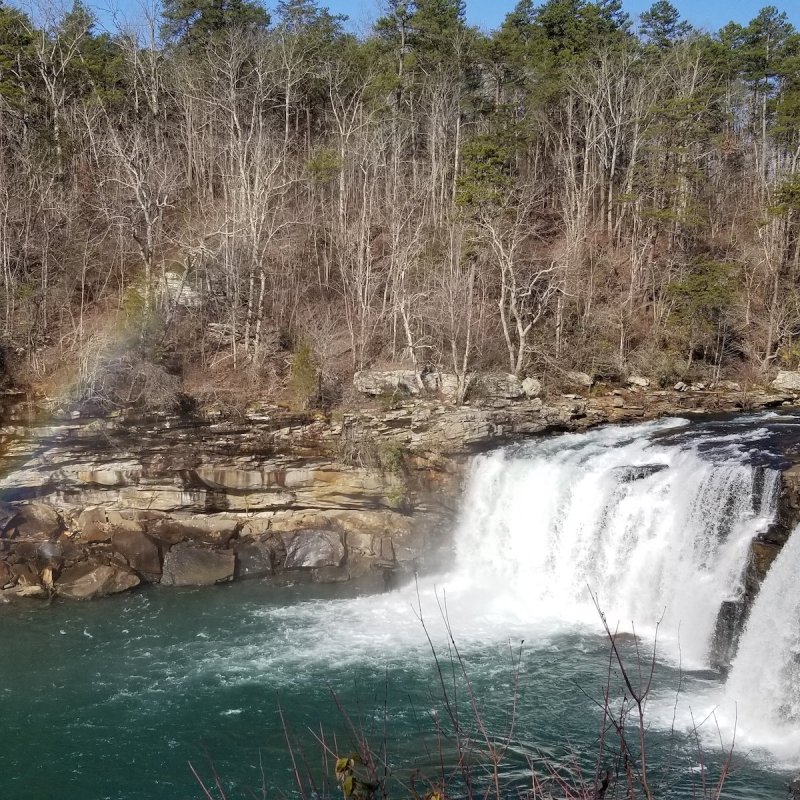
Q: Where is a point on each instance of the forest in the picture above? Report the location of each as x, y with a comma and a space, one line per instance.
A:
220, 201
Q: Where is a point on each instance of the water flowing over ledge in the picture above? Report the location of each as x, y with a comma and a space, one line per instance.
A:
659, 529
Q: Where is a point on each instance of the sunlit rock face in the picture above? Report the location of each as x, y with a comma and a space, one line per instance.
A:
207, 500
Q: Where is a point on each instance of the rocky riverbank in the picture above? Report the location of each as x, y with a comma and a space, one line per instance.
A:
95, 505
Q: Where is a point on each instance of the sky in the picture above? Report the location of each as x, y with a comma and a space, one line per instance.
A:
488, 14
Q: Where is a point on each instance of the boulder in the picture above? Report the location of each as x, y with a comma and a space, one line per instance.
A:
50, 554
501, 386
377, 382
24, 574
37, 522
441, 383
579, 379
86, 581
91, 522
257, 558
128, 520
680, 386
638, 380
532, 387
185, 565
314, 548
7, 515
25, 590
787, 381
139, 550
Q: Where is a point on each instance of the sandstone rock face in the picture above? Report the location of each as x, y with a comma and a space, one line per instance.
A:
314, 549
764, 549
377, 382
788, 516
185, 565
217, 529
139, 550
87, 581
178, 291
787, 381
728, 630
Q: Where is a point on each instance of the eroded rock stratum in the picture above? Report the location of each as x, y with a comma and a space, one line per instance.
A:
92, 507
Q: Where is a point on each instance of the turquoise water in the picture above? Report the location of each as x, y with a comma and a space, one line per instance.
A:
113, 699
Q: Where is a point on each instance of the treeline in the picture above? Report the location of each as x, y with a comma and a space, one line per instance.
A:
222, 200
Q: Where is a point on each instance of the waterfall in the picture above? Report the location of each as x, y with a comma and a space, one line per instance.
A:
655, 522
764, 683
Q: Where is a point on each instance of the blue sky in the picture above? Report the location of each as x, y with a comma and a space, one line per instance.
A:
488, 14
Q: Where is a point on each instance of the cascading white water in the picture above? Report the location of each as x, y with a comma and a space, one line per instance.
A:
658, 529
764, 683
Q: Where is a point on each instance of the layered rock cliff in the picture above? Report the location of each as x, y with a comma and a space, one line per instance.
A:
96, 506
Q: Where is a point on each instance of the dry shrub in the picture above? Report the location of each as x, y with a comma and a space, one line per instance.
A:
111, 378
229, 389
